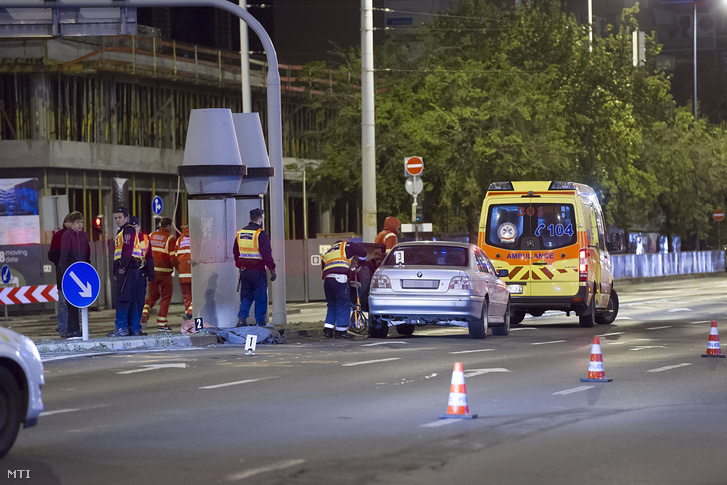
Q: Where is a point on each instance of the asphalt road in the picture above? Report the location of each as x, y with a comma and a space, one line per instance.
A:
366, 411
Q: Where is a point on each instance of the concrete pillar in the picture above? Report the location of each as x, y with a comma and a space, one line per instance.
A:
40, 106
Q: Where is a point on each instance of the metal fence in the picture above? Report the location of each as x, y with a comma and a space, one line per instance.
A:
666, 264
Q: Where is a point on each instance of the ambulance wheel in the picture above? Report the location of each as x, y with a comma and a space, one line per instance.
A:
504, 329
611, 312
516, 317
405, 329
478, 326
588, 318
378, 328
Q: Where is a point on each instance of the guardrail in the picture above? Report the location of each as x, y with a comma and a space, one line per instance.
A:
667, 264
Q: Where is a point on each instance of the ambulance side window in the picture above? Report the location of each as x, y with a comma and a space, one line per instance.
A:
601, 229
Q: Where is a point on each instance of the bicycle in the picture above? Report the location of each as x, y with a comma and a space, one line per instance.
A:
358, 322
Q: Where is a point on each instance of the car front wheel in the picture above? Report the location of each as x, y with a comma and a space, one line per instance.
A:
405, 329
11, 399
478, 326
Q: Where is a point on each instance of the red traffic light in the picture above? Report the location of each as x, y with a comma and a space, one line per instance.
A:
98, 221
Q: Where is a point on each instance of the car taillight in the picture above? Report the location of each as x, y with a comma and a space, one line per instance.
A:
460, 283
380, 281
583, 265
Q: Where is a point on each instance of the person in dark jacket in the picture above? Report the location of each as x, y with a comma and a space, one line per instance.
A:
75, 247
336, 263
54, 255
253, 253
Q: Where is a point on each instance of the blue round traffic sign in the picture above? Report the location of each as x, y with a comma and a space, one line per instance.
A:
81, 284
157, 205
5, 274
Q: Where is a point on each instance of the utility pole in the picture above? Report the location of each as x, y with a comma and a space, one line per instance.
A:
368, 127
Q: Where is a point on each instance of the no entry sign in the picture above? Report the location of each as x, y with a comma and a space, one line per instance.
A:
413, 166
718, 215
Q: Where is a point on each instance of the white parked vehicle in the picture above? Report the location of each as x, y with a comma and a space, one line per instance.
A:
21, 377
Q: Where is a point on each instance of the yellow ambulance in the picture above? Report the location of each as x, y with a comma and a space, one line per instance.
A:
551, 237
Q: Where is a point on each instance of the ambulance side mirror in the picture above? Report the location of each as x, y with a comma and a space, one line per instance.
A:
616, 245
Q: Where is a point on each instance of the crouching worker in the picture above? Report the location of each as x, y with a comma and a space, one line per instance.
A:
336, 263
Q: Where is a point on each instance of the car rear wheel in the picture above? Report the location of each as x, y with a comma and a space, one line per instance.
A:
10, 410
588, 318
611, 312
378, 328
504, 329
478, 326
405, 329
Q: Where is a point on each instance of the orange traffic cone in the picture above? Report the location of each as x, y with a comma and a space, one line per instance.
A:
713, 343
457, 405
595, 366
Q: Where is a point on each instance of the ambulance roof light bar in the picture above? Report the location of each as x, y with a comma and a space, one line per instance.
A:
500, 186
562, 186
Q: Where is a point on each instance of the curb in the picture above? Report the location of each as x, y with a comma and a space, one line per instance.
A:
125, 343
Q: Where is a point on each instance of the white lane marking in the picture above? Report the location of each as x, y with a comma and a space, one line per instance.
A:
384, 343
679, 310
470, 351
71, 410
624, 318
370, 362
701, 321
522, 328
658, 328
236, 477
571, 391
430, 376
551, 342
612, 333
148, 367
669, 367
645, 347
479, 372
438, 423
236, 383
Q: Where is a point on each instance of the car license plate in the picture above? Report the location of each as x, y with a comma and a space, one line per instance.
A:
515, 289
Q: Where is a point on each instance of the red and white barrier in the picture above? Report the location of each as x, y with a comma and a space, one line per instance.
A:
28, 294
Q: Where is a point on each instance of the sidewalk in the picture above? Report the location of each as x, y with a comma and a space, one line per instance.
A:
303, 320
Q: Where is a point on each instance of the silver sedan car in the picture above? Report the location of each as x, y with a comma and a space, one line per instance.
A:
438, 282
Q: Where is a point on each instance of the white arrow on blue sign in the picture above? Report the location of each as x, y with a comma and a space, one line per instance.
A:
5, 274
81, 284
157, 205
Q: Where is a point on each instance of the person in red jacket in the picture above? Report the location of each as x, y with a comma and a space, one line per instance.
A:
183, 256
389, 235
163, 244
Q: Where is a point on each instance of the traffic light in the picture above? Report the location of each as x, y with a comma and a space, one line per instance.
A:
420, 211
98, 222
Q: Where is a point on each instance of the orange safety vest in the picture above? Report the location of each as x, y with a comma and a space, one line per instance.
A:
119, 242
247, 243
184, 257
162, 247
336, 257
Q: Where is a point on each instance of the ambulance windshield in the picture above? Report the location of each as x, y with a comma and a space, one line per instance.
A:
531, 226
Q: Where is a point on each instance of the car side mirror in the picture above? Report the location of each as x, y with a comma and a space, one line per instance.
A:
617, 243
502, 273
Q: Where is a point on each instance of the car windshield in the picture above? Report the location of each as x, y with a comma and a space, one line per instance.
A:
531, 226
427, 255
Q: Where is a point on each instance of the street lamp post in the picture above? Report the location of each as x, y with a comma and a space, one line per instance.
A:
694, 29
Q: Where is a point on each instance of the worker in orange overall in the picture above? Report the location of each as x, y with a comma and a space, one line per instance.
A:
163, 245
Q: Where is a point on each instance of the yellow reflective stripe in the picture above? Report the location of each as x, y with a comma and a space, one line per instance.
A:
163, 270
